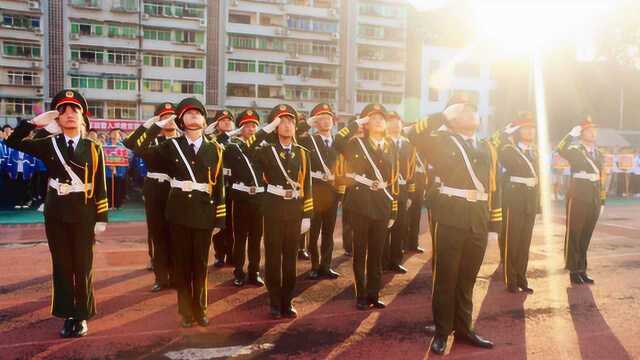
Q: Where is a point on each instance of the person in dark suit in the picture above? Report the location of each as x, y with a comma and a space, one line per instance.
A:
195, 207
76, 203
585, 199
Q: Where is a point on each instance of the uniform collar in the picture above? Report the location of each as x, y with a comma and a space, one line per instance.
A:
196, 143
75, 140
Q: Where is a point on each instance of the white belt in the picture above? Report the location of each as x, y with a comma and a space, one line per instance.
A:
437, 180
226, 171
322, 176
251, 190
189, 186
420, 169
529, 181
372, 184
402, 182
285, 194
469, 195
586, 176
158, 176
65, 189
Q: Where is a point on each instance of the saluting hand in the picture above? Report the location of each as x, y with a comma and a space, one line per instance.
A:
163, 123
362, 121
215, 231
99, 227
390, 224
45, 118
147, 124
305, 225
272, 125
576, 131
211, 128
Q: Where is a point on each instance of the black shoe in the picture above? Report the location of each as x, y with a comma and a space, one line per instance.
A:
219, 263
331, 274
586, 279
377, 304
67, 328
275, 312
439, 344
256, 281
238, 281
398, 269
362, 304
313, 275
156, 287
576, 279
290, 312
186, 323
303, 255
526, 289
203, 321
348, 253
477, 340
513, 289
80, 328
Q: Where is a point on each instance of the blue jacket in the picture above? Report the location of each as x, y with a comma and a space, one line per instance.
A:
13, 165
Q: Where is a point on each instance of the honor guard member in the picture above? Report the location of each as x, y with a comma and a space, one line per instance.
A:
75, 206
288, 204
156, 191
585, 198
196, 203
371, 162
220, 127
520, 200
466, 209
414, 211
247, 193
324, 158
392, 253
347, 229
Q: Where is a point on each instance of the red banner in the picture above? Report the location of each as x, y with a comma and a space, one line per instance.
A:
108, 124
625, 161
116, 155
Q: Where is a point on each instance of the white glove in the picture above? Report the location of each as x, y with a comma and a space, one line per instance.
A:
99, 227
147, 124
493, 236
453, 111
305, 225
443, 127
45, 118
235, 132
391, 222
163, 123
601, 210
53, 128
576, 131
510, 129
215, 231
362, 121
311, 121
272, 126
409, 202
211, 128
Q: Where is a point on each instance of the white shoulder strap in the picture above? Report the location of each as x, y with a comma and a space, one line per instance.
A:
184, 160
75, 179
324, 165
293, 184
476, 182
246, 160
519, 151
593, 165
376, 171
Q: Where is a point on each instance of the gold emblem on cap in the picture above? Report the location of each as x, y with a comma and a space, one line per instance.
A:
225, 113
249, 112
282, 108
325, 106
167, 106
69, 94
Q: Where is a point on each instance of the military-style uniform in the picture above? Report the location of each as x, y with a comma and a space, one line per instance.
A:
195, 206
246, 194
371, 200
224, 240
156, 192
414, 213
520, 204
394, 243
324, 159
465, 209
289, 200
585, 197
75, 201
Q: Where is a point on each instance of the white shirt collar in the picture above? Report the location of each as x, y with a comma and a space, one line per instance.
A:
325, 138
196, 143
286, 147
74, 139
524, 146
378, 143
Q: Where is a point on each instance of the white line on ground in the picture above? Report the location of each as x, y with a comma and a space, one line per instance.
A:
213, 353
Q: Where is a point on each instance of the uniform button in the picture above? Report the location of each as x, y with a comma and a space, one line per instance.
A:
193, 163
189, 195
211, 202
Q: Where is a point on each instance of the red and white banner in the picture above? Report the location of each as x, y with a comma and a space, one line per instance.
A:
115, 155
108, 124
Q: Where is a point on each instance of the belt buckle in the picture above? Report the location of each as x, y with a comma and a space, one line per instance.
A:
64, 189
375, 185
325, 177
252, 190
187, 186
288, 194
472, 195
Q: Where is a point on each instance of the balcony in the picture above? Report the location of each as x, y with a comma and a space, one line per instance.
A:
86, 4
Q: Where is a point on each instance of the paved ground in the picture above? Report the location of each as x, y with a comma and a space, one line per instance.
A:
557, 322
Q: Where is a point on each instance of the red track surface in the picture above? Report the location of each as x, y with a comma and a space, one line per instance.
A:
557, 322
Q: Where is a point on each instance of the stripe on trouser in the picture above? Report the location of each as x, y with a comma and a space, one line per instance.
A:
506, 250
566, 233
435, 258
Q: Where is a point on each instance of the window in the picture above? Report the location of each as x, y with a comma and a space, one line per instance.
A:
323, 94
152, 85
19, 106
157, 34
241, 90
121, 57
382, 10
473, 96
434, 94
391, 98
189, 62
122, 111
270, 44
188, 87
269, 20
122, 31
266, 67
368, 74
242, 42
94, 4
23, 78
272, 92
23, 50
86, 82
241, 65
86, 29
240, 18
321, 72
189, 37
296, 69
378, 53
367, 97
297, 93
158, 60
87, 55
126, 5
96, 109
311, 24
392, 77
125, 84
20, 21
154, 8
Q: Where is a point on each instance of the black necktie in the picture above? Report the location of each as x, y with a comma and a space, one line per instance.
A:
326, 142
470, 143
193, 150
70, 150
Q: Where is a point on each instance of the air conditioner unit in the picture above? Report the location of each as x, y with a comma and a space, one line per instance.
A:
34, 5
279, 77
75, 65
336, 36
234, 3
35, 64
201, 47
145, 16
38, 31
230, 50
39, 92
74, 36
333, 12
254, 104
203, 23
